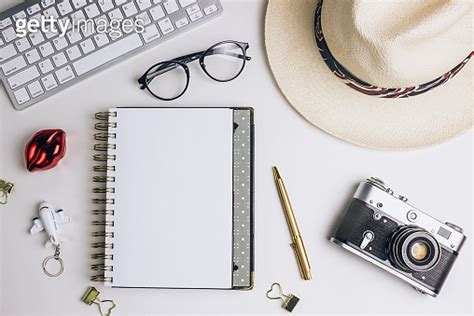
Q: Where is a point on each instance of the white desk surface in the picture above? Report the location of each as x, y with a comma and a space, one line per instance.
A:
320, 173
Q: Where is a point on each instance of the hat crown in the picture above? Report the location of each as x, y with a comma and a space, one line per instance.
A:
398, 43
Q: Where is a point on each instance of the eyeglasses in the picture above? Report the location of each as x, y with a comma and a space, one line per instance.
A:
222, 62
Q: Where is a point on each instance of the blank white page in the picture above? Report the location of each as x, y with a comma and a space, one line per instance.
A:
173, 198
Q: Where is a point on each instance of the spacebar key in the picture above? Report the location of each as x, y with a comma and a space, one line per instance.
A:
107, 54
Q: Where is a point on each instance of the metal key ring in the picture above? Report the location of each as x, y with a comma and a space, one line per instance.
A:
61, 263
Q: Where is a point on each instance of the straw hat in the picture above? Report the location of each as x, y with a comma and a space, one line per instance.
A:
387, 74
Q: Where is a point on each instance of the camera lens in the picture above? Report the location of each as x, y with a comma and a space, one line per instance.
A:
413, 249
419, 251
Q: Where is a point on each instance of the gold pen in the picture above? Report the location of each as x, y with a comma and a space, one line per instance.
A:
297, 244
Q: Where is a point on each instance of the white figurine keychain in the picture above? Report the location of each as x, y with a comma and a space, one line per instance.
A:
50, 220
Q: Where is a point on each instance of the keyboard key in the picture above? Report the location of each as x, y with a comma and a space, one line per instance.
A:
116, 14
7, 52
192, 9
107, 54
144, 18
115, 35
182, 22
35, 89
88, 30
73, 37
87, 46
9, 34
46, 49
101, 40
5, 23
185, 3
51, 12
64, 7
196, 16
49, 82
19, 16
14, 65
144, 4
129, 9
66, 21
22, 44
60, 43
21, 96
106, 5
25, 76
120, 2
59, 60
47, 3
33, 9
65, 74
73, 53
92, 11
50, 33
1, 42
79, 3
157, 13
78, 16
151, 33
171, 6
36, 38
210, 9
37, 17
46, 66
32, 56
166, 26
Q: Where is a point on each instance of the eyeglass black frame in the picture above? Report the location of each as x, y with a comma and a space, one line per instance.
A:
184, 60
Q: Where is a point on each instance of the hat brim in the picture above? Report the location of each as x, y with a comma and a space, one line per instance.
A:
324, 100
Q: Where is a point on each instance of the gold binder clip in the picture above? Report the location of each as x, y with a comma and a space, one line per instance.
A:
289, 301
92, 297
5, 189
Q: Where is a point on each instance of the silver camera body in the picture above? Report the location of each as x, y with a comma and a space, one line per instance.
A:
381, 227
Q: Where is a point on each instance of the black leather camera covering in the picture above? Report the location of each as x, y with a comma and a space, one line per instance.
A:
436, 276
360, 218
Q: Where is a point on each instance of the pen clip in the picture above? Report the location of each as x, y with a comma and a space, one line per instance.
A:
300, 254
298, 259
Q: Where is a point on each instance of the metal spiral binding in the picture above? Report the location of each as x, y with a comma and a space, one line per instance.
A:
102, 256
103, 212
103, 190
103, 234
104, 175
101, 278
103, 168
103, 137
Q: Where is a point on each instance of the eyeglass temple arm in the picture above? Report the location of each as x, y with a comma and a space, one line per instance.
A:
146, 78
223, 51
168, 67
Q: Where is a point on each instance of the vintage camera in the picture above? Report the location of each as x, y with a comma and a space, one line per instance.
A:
381, 227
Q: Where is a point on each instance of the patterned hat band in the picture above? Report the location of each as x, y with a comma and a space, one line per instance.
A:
367, 88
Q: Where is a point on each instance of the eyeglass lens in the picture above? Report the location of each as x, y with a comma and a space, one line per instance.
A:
167, 80
225, 61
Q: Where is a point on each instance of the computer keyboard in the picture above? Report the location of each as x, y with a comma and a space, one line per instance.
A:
41, 64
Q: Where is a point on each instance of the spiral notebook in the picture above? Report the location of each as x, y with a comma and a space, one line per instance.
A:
175, 193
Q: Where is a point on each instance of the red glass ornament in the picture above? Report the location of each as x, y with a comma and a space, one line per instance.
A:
45, 149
